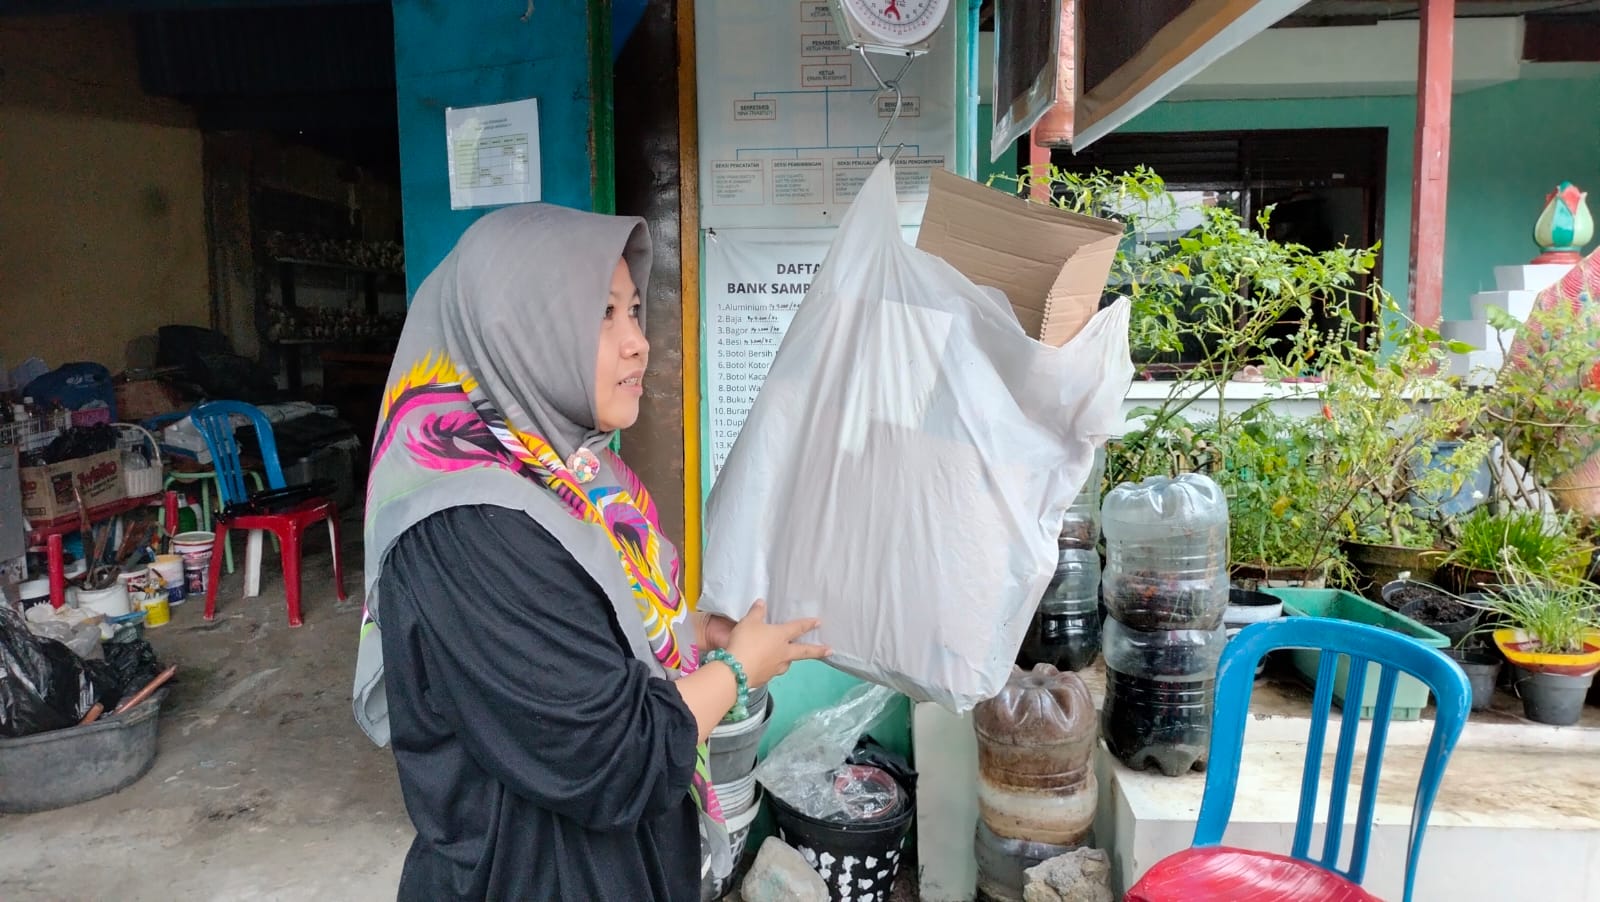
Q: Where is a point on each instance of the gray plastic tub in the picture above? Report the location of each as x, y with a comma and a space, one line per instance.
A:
66, 767
734, 746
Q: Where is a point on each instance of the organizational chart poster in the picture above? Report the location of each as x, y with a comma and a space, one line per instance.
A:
789, 118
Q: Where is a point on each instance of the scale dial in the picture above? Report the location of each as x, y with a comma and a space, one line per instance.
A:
891, 23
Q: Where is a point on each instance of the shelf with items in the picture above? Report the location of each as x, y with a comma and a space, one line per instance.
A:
348, 253
351, 312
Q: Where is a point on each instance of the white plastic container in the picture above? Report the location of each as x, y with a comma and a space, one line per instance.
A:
134, 580
195, 549
168, 568
112, 602
187, 543
35, 591
736, 796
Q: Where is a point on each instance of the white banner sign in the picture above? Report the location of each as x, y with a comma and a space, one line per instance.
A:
753, 282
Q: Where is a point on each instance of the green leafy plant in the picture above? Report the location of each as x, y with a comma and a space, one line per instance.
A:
1521, 542
1279, 508
1222, 290
1545, 405
1388, 415
1561, 619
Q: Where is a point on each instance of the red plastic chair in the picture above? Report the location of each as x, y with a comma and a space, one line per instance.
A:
215, 424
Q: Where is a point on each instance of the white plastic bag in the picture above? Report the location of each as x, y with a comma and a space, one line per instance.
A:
905, 469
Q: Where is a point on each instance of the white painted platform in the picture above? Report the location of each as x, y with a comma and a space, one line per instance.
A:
1518, 817
1518, 814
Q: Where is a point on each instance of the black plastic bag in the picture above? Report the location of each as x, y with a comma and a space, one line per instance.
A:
44, 685
869, 752
129, 667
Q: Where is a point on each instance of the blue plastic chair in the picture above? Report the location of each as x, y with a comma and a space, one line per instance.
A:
1220, 873
214, 421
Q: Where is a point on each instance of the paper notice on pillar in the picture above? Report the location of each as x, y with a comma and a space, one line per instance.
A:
493, 154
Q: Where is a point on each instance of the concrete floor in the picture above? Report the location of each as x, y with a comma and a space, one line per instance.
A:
263, 787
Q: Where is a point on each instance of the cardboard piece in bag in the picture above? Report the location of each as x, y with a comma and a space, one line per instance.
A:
1052, 264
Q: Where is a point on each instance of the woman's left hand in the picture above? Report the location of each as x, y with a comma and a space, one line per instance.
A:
715, 631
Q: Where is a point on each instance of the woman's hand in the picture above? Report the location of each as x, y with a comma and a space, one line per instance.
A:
714, 631
765, 650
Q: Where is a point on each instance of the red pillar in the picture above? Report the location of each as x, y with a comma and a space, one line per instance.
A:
1038, 164
1430, 169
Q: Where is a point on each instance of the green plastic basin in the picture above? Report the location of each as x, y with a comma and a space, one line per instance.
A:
1410, 696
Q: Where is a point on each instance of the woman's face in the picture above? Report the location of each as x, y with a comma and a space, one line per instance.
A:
624, 353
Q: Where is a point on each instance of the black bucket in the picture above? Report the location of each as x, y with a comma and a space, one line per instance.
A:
1482, 667
858, 861
1552, 698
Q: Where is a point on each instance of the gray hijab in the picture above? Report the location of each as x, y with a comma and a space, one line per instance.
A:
503, 337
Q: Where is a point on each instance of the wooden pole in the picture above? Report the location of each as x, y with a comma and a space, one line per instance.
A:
1430, 170
1039, 168
689, 242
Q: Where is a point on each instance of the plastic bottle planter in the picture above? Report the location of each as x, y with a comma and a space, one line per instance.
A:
1036, 743
1166, 553
1065, 632
1159, 689
1003, 862
1081, 526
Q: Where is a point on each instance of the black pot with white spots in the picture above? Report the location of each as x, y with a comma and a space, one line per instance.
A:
858, 855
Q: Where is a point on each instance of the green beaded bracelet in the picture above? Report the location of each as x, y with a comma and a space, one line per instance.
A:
741, 704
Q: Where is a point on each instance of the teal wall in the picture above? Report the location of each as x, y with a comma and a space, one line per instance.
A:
480, 52
1510, 145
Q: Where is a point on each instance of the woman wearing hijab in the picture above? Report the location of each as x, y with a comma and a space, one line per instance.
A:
547, 691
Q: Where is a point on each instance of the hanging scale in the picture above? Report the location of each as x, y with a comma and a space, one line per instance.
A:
902, 28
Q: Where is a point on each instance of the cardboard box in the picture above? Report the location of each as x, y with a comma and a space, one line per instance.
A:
1052, 264
47, 491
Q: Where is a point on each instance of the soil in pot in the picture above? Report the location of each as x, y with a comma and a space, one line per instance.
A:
1150, 601
1552, 698
1432, 606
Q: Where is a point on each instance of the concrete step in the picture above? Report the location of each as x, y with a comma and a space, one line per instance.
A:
1529, 276
1517, 816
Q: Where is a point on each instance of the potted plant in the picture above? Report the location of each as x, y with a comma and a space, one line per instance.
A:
1545, 404
1281, 514
1489, 546
1399, 429
1552, 636
1433, 607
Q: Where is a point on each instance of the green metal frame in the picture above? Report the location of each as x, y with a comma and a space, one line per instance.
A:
603, 127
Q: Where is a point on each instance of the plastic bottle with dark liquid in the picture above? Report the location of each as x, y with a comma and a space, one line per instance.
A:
1166, 589
1065, 632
